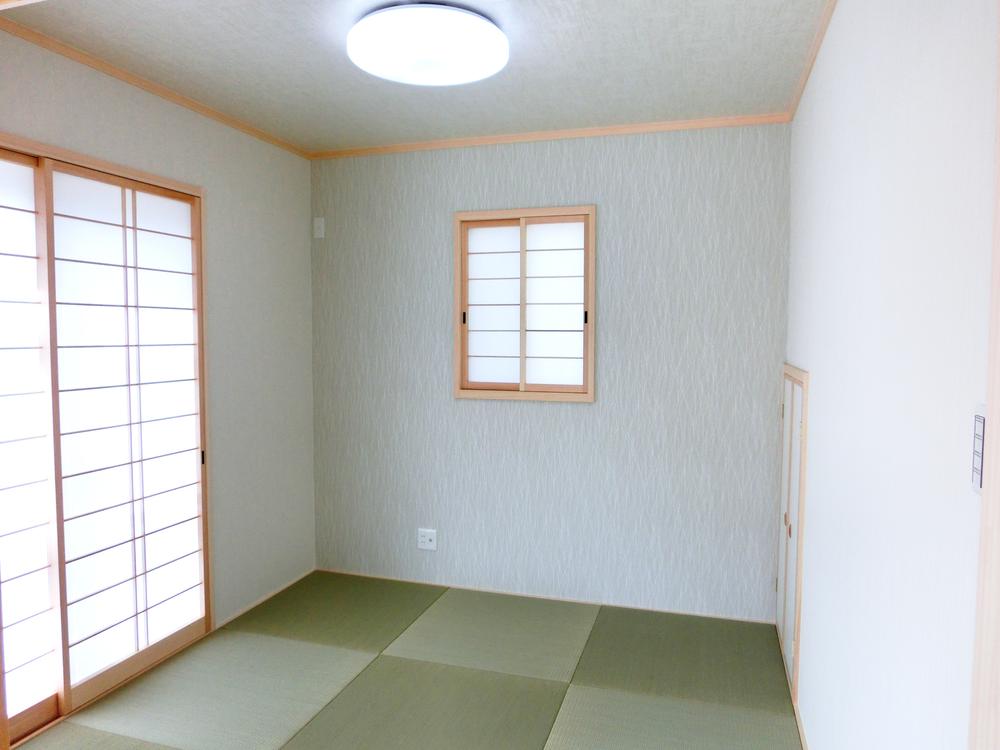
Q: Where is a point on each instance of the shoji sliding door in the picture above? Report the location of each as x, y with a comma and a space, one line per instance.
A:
114, 530
29, 582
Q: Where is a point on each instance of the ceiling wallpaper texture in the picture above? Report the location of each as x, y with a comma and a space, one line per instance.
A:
663, 493
283, 66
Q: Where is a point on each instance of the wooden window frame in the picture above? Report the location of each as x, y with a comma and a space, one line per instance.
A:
522, 391
70, 698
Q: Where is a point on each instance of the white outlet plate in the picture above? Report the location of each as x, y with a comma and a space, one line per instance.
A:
427, 539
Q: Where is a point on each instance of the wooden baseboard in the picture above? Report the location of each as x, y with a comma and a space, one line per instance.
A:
263, 599
543, 596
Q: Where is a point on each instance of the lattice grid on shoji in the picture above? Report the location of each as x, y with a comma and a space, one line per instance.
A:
493, 297
524, 303
28, 574
554, 303
129, 418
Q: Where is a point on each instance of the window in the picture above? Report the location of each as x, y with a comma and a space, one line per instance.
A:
102, 562
524, 304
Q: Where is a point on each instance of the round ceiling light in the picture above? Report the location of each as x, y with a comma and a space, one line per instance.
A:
426, 44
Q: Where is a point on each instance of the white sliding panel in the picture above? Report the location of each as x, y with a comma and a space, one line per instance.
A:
554, 303
28, 573
129, 398
493, 268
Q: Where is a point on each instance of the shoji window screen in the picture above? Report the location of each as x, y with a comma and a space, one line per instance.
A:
524, 298
102, 557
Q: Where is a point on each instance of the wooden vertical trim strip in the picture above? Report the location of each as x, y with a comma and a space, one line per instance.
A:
800, 378
47, 246
984, 714
458, 350
800, 536
198, 265
786, 442
590, 299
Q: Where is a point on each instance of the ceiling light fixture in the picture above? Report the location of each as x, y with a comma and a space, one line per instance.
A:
427, 44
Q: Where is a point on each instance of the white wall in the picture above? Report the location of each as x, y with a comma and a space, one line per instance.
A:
257, 299
663, 493
893, 184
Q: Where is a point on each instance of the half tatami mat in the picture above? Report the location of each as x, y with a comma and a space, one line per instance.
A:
353, 612
596, 719
681, 656
232, 691
511, 634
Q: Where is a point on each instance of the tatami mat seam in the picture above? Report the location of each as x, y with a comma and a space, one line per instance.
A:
367, 667
555, 716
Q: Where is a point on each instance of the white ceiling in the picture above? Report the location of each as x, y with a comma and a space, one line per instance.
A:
281, 66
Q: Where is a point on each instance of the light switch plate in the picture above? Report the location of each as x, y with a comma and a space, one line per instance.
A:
427, 539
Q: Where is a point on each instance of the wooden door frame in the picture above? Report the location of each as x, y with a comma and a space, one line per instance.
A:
801, 378
69, 700
984, 720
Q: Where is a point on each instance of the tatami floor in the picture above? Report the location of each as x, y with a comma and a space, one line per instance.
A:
341, 662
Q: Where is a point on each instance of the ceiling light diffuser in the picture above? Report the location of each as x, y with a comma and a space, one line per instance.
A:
426, 44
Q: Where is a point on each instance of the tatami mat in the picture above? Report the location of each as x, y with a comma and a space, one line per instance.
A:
598, 719
416, 705
232, 691
680, 656
364, 614
70, 736
461, 670
511, 634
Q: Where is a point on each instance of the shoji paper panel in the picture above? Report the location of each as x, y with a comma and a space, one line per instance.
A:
128, 372
493, 291
554, 303
30, 637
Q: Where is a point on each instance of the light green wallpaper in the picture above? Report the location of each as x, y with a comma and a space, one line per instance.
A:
663, 493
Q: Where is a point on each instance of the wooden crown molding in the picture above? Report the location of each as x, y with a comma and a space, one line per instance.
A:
8, 4
817, 44
557, 135
84, 58
665, 126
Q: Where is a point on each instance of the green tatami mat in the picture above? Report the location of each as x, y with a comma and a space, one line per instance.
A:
680, 656
596, 719
416, 705
511, 634
70, 736
364, 614
232, 691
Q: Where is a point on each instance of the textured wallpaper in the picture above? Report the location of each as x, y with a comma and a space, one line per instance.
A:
663, 493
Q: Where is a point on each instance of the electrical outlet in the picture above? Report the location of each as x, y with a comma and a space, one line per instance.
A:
427, 539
